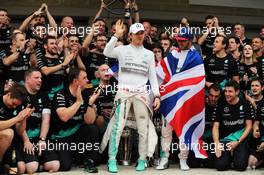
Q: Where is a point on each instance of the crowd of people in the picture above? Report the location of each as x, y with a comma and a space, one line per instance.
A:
57, 89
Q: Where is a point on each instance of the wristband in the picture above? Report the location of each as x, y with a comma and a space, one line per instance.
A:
42, 138
116, 37
64, 67
90, 105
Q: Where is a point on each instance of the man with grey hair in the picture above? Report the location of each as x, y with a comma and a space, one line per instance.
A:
239, 31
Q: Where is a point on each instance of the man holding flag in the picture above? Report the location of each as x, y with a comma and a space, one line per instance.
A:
182, 100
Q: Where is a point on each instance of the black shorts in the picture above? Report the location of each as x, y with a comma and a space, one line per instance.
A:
46, 155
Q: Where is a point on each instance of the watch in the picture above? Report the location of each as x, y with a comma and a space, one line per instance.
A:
62, 66
90, 105
42, 138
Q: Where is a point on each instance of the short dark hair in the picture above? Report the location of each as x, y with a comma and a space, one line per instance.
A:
257, 37
100, 35
30, 71
74, 74
98, 19
235, 38
257, 79
47, 38
225, 41
113, 23
167, 39
5, 10
238, 23
215, 87
158, 46
233, 84
71, 35
19, 92
208, 17
74, 35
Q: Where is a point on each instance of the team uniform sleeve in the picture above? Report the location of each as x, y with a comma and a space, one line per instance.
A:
46, 104
59, 101
234, 71
216, 117
249, 111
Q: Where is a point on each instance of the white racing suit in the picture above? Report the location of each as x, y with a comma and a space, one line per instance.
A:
136, 69
127, 104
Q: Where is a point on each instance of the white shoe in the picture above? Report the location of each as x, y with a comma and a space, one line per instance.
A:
163, 164
183, 165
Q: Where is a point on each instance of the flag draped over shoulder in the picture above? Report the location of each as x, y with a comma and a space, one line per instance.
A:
182, 78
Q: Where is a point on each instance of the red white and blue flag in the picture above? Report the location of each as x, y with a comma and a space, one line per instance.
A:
182, 92
113, 71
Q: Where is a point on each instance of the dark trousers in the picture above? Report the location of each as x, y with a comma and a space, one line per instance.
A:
239, 158
194, 162
82, 145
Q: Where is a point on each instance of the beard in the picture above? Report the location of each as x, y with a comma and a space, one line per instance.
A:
100, 49
51, 52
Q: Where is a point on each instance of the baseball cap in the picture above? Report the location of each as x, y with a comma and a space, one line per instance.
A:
184, 34
136, 27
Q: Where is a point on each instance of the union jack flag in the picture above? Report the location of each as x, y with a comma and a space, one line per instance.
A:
182, 92
113, 71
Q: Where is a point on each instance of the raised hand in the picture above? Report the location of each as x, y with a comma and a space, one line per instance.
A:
65, 41
25, 113
103, 5
134, 6
30, 46
44, 7
216, 22
68, 59
37, 13
8, 84
23, 45
254, 70
94, 97
79, 95
4, 21
120, 28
